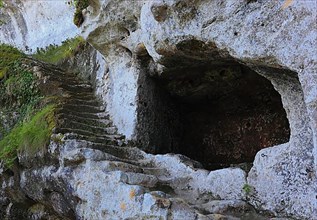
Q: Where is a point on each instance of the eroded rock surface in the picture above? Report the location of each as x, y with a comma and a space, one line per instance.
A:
146, 41
29, 25
156, 54
89, 172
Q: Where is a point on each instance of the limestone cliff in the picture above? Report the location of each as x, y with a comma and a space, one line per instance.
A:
29, 25
172, 47
177, 110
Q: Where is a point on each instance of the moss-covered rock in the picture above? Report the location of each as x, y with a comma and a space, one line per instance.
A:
29, 136
26, 118
18, 89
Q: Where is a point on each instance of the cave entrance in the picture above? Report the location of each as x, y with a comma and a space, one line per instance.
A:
217, 114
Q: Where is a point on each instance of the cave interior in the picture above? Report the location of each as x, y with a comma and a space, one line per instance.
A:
217, 113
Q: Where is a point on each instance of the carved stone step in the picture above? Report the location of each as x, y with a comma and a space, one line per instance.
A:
96, 116
87, 127
117, 141
97, 122
130, 153
77, 101
82, 108
75, 88
81, 96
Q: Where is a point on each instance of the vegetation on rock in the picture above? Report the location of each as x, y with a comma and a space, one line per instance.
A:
80, 6
247, 189
55, 54
8, 55
28, 137
32, 122
18, 87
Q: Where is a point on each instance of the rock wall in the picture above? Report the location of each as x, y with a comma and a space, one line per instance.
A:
148, 51
29, 25
275, 40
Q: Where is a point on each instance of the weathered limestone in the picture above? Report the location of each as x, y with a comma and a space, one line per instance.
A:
29, 25
88, 174
277, 42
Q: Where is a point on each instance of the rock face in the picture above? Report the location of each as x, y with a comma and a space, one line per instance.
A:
88, 171
222, 82
155, 49
29, 25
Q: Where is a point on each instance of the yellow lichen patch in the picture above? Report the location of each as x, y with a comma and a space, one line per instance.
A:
123, 206
287, 3
132, 193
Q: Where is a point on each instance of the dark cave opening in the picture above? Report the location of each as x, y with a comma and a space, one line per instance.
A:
229, 116
219, 115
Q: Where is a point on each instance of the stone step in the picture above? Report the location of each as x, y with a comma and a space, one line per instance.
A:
129, 153
82, 95
78, 101
65, 130
91, 128
123, 166
77, 134
97, 122
58, 76
75, 88
83, 108
97, 155
96, 116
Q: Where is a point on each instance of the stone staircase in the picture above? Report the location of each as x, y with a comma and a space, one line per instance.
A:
81, 116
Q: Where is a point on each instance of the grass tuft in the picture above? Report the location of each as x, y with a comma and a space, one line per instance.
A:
55, 54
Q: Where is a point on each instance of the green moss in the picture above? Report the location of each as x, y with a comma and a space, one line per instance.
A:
20, 94
29, 137
8, 56
55, 54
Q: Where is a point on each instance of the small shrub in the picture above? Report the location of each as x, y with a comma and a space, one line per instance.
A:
247, 189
